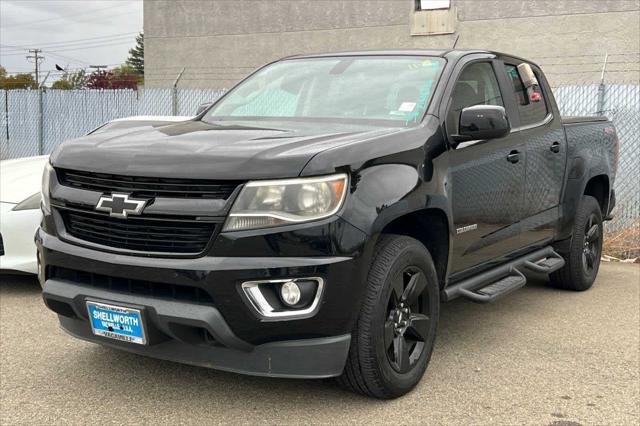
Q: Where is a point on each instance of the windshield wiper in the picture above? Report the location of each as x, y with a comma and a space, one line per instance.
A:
241, 127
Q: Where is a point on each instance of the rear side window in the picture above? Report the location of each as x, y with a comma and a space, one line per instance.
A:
531, 112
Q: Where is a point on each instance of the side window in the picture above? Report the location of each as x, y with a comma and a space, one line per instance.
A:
518, 85
531, 111
476, 85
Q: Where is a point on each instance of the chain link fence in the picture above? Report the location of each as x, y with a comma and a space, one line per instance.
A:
34, 122
621, 104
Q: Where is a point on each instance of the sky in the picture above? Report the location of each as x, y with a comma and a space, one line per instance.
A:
71, 33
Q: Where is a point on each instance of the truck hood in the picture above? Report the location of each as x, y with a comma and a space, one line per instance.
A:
197, 149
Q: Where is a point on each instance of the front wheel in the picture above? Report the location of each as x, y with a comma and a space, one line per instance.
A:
583, 258
395, 332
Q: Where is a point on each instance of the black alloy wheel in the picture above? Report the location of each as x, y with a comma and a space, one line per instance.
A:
394, 336
592, 245
582, 256
407, 325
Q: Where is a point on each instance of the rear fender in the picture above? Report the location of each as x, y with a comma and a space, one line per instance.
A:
591, 154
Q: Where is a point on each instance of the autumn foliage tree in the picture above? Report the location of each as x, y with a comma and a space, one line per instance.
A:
112, 80
17, 81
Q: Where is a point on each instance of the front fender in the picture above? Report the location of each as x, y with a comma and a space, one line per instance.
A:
383, 193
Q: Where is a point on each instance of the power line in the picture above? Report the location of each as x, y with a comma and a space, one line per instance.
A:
92, 46
100, 18
29, 23
74, 42
20, 71
67, 58
82, 47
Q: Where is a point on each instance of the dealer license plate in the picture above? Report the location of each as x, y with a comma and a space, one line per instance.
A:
116, 322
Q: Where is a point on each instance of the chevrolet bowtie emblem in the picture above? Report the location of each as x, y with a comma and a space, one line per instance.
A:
120, 205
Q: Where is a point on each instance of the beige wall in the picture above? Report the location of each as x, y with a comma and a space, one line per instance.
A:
219, 42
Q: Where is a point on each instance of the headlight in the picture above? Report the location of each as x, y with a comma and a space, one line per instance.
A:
30, 203
263, 204
46, 176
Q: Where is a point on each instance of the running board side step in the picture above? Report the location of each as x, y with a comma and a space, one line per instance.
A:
497, 289
502, 280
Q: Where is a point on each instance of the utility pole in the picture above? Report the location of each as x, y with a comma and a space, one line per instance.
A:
35, 55
36, 58
41, 115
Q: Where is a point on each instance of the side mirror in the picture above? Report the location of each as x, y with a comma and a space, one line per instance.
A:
203, 107
482, 122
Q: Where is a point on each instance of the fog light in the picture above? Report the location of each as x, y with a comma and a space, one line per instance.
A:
290, 293
284, 299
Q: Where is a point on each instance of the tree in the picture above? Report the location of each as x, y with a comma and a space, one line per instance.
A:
118, 78
127, 76
136, 55
124, 69
78, 79
62, 85
74, 80
100, 80
18, 81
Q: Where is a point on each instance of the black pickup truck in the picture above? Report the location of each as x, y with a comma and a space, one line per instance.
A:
309, 223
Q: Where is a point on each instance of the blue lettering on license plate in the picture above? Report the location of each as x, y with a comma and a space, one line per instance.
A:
116, 322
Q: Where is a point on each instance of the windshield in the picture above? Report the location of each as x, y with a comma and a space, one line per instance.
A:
396, 88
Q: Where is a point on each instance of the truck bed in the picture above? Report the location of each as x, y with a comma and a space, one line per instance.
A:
574, 119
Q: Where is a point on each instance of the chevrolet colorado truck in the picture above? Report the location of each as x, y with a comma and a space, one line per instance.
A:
309, 223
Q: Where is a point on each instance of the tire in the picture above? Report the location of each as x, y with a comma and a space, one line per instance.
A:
583, 259
393, 339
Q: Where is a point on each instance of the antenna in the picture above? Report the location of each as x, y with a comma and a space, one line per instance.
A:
455, 42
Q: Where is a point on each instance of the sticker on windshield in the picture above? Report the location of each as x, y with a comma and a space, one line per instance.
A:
407, 106
422, 103
424, 63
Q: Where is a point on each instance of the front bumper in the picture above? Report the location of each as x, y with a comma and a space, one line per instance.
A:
301, 358
227, 334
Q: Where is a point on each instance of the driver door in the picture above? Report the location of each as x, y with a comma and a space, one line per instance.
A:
487, 177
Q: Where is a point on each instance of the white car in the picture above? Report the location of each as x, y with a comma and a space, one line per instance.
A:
20, 214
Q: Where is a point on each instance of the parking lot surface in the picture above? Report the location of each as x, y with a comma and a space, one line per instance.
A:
538, 356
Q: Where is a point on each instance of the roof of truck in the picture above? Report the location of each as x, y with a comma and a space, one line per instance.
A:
412, 52
444, 53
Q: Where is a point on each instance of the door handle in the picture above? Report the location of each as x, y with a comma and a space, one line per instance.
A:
555, 147
513, 157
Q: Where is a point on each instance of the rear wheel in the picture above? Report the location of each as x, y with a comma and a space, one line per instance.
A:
395, 332
583, 258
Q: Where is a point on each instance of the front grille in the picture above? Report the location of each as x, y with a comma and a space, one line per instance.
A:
148, 187
131, 286
148, 234
1, 246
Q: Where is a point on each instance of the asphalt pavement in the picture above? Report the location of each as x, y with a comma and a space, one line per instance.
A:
538, 356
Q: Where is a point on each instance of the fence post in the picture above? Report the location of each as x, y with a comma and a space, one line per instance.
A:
174, 94
6, 114
41, 116
40, 123
601, 87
